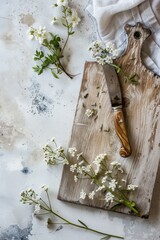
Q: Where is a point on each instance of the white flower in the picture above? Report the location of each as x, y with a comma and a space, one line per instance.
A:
86, 168
73, 17
81, 163
75, 179
103, 53
91, 195
104, 179
72, 151
99, 158
97, 170
79, 170
112, 184
83, 194
73, 167
37, 209
131, 187
108, 172
95, 46
110, 46
66, 162
109, 197
40, 34
116, 164
31, 32
27, 196
100, 188
58, 151
89, 112
62, 2
45, 187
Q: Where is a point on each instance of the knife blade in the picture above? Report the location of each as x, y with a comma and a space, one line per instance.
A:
115, 94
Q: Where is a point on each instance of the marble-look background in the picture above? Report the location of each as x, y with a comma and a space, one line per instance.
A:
33, 109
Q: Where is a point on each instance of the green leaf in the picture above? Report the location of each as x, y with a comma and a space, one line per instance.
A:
35, 58
38, 69
71, 33
38, 55
105, 237
116, 206
64, 25
82, 223
133, 204
54, 74
45, 63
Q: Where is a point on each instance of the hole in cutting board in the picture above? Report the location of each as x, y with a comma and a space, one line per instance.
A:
137, 35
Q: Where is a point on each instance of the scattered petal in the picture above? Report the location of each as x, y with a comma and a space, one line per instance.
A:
91, 195
83, 194
109, 197
72, 151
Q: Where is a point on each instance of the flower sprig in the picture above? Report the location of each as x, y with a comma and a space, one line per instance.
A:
106, 53
52, 47
108, 178
54, 154
42, 207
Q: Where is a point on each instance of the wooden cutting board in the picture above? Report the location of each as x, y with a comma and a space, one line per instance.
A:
96, 135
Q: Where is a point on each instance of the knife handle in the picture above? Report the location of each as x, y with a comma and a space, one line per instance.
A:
120, 127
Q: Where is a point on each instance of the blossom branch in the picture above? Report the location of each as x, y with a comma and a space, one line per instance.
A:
31, 197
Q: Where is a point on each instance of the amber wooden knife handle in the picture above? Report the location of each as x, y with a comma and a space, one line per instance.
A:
120, 127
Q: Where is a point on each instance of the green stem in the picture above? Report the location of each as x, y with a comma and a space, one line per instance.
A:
65, 42
83, 227
49, 200
63, 69
124, 199
67, 26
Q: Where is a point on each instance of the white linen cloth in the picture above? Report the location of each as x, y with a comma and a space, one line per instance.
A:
112, 15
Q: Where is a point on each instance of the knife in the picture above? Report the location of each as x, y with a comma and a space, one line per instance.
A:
116, 103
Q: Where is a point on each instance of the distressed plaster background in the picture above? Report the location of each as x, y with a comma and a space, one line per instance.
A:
33, 109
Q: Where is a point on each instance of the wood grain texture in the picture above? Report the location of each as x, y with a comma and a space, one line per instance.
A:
96, 135
120, 128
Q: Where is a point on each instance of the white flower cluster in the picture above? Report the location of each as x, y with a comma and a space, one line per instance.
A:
98, 161
112, 184
38, 34
71, 15
62, 2
28, 195
107, 175
54, 156
32, 198
72, 151
109, 197
103, 53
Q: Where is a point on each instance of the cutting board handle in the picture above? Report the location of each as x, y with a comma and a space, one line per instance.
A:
120, 127
136, 37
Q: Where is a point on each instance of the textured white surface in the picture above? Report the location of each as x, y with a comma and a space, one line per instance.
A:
33, 109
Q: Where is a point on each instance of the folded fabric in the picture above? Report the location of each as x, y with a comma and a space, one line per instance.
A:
112, 15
